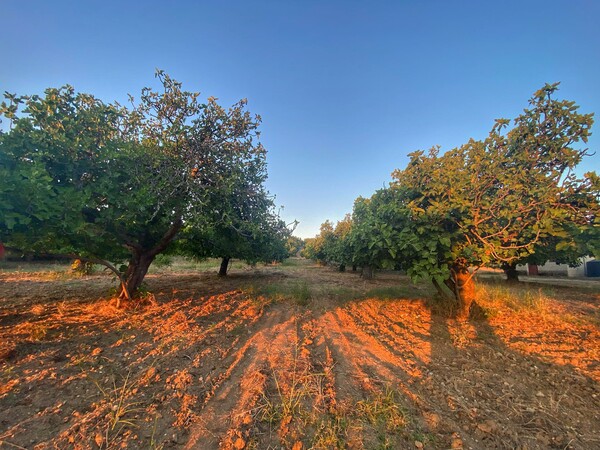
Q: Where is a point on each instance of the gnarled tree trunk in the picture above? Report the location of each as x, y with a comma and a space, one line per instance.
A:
224, 266
510, 270
464, 290
136, 271
458, 291
142, 258
367, 272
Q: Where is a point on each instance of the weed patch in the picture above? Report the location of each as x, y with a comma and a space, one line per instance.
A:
496, 297
38, 332
301, 293
297, 291
383, 410
341, 293
331, 432
122, 411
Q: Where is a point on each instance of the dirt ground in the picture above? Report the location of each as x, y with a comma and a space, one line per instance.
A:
295, 356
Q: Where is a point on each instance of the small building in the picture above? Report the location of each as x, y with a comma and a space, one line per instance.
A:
586, 268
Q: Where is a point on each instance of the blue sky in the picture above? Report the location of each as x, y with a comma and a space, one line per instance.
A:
346, 89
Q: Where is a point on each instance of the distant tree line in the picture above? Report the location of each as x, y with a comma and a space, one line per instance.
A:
108, 183
510, 198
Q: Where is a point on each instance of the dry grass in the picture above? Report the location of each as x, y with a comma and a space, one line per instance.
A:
496, 297
177, 264
296, 290
123, 413
298, 405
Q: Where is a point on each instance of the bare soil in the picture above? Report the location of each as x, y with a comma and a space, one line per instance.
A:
295, 357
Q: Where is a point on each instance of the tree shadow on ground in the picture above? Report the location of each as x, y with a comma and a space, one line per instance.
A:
505, 398
191, 346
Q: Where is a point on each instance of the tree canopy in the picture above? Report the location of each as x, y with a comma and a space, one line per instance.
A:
490, 202
108, 182
245, 227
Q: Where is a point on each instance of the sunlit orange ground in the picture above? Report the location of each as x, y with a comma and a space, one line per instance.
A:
209, 363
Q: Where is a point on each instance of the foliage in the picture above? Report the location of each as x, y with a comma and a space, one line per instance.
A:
294, 245
340, 250
309, 248
109, 183
245, 227
331, 245
374, 235
163, 260
319, 247
491, 202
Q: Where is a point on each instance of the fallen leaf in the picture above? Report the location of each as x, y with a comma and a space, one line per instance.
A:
456, 441
488, 426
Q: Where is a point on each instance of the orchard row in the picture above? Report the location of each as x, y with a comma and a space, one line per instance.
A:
510, 198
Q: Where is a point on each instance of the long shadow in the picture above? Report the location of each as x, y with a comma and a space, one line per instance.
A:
504, 398
38, 361
52, 332
491, 395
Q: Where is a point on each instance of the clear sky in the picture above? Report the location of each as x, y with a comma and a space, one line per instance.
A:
346, 89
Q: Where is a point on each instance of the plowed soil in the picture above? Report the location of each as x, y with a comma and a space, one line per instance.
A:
295, 357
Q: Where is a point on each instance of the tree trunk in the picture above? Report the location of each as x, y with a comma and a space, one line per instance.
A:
342, 268
353, 267
142, 258
510, 270
224, 266
136, 271
367, 272
445, 295
464, 289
